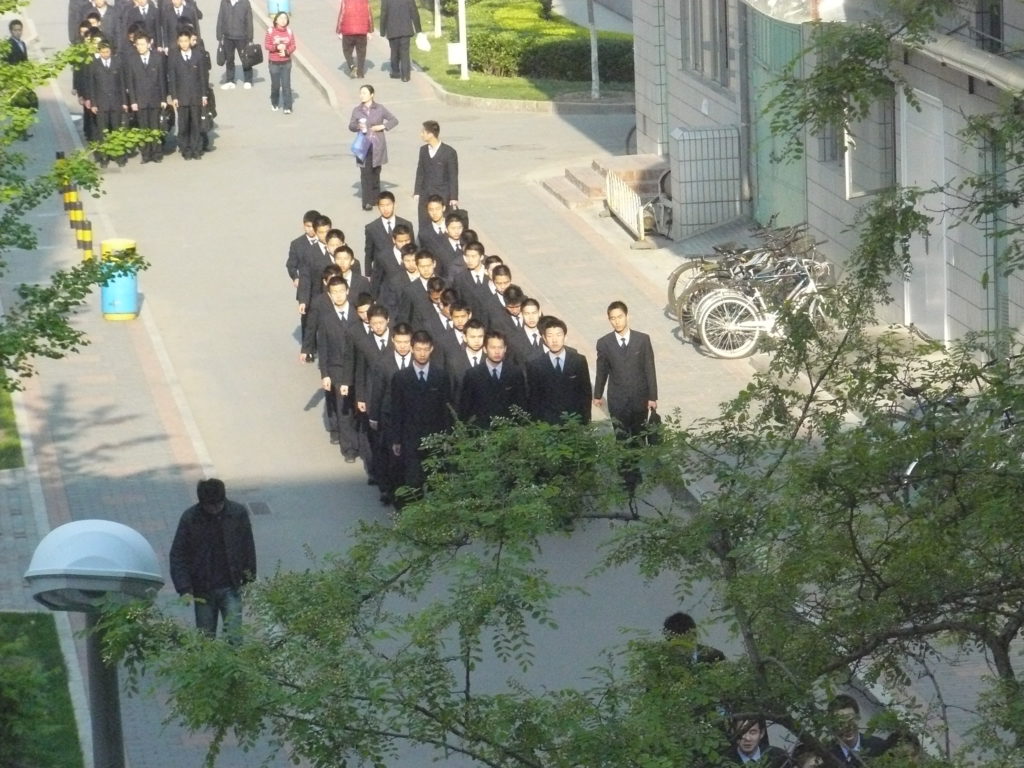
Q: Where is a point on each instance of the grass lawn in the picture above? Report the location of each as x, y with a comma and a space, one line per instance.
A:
10, 445
52, 735
522, 16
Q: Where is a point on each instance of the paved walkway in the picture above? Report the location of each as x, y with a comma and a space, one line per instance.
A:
207, 380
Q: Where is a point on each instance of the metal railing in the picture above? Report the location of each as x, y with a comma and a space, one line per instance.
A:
625, 205
982, 24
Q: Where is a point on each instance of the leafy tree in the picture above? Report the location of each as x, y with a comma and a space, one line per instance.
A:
38, 323
854, 512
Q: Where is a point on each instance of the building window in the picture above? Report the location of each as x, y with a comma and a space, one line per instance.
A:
871, 150
704, 35
830, 145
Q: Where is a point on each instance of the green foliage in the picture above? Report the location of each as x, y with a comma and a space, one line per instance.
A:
37, 725
570, 59
10, 445
496, 53
38, 324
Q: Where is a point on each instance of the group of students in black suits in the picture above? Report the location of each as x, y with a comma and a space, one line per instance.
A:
427, 329
147, 58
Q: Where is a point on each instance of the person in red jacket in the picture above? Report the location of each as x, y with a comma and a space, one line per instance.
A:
280, 44
355, 23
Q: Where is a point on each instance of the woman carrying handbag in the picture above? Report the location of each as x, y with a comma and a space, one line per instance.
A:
372, 120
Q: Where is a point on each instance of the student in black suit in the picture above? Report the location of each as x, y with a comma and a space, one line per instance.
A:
625, 361
414, 301
104, 17
420, 405
396, 356
77, 11
851, 747
558, 381
526, 343
452, 247
372, 351
346, 260
379, 235
298, 247
318, 305
433, 235
106, 96
390, 289
508, 319
186, 85
174, 15
389, 265
18, 52
317, 257
336, 351
472, 283
461, 359
137, 14
492, 389
147, 91
437, 172
750, 745
399, 21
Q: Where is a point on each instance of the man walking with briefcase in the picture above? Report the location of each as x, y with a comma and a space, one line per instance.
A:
234, 33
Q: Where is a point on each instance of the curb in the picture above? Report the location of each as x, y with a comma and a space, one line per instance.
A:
478, 102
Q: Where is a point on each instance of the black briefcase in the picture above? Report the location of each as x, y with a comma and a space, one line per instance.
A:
251, 55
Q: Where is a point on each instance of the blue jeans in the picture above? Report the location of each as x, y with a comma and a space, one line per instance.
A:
226, 603
281, 84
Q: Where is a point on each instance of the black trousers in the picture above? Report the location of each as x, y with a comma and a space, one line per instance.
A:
401, 64
190, 140
149, 118
341, 418
107, 120
355, 44
369, 179
230, 46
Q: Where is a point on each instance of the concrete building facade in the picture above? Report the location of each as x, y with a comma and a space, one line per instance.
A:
704, 72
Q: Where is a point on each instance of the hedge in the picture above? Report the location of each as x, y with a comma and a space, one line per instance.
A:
507, 54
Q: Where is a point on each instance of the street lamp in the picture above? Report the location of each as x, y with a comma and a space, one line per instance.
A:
81, 566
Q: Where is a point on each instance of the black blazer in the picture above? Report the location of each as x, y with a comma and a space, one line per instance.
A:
389, 291
186, 80
399, 18
629, 373
482, 398
106, 84
552, 393
437, 175
311, 272
130, 15
170, 22
358, 284
771, 757
379, 246
458, 363
476, 296
296, 257
18, 52
429, 240
870, 746
418, 409
521, 348
335, 343
146, 83
413, 303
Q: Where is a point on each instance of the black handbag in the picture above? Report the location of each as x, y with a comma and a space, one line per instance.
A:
251, 55
221, 58
653, 430
205, 121
167, 118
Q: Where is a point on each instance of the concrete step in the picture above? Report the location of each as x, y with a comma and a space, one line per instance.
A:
587, 180
632, 167
567, 193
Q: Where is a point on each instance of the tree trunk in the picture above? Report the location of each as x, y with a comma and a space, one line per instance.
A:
595, 75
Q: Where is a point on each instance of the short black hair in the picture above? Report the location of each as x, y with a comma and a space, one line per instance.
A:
529, 302
679, 624
617, 305
843, 701
335, 232
401, 229
342, 248
432, 127
453, 216
320, 221
501, 269
402, 329
550, 321
339, 280
423, 254
365, 300
211, 491
436, 284
331, 270
435, 199
494, 335
377, 310
310, 216
385, 195
475, 246
14, 23
474, 323
422, 337
514, 295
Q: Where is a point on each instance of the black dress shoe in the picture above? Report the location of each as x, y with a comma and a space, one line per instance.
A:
367, 207
406, 79
335, 440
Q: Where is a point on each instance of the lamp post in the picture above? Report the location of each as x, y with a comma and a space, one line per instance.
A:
80, 566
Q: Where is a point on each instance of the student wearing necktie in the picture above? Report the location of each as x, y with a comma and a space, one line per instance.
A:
373, 397
106, 91
174, 15
18, 52
625, 362
146, 82
493, 389
187, 77
558, 380
335, 345
420, 405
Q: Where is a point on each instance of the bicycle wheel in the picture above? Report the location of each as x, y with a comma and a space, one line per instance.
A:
730, 326
686, 306
682, 277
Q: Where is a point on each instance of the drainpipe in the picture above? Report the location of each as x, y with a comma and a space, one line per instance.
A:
743, 68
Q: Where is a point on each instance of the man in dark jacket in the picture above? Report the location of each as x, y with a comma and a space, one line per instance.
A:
234, 32
399, 22
212, 556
